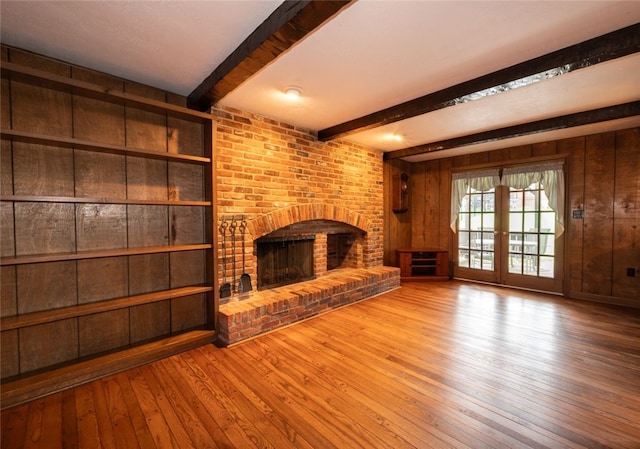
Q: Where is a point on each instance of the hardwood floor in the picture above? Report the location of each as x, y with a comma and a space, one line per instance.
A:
430, 365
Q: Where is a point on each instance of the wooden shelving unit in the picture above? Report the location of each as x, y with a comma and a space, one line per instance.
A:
108, 226
423, 264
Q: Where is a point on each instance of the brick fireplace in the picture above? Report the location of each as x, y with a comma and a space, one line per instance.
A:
286, 183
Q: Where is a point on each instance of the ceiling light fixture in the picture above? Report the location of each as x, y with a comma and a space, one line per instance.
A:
293, 91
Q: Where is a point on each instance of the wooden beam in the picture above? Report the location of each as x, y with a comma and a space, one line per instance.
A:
594, 51
566, 121
291, 22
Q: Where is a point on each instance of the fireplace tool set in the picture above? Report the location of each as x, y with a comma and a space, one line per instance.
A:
244, 282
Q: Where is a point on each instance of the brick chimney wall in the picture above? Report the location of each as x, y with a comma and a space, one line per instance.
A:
264, 166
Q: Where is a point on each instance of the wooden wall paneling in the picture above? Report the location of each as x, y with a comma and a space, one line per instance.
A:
45, 286
9, 354
431, 211
598, 214
39, 109
103, 332
101, 226
418, 186
42, 170
479, 158
6, 168
48, 344
500, 155
150, 321
187, 268
147, 226
146, 179
574, 233
188, 312
100, 175
186, 182
44, 228
145, 129
7, 230
184, 137
5, 98
626, 239
96, 120
104, 278
8, 294
520, 152
187, 225
544, 149
148, 273
444, 215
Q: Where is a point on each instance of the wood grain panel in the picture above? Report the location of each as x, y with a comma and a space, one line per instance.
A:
6, 168
7, 230
185, 182
144, 129
626, 255
188, 312
146, 179
418, 186
432, 205
101, 226
520, 152
42, 170
94, 120
40, 110
575, 200
501, 155
46, 286
44, 228
103, 332
150, 321
10, 361
187, 268
148, 225
627, 179
186, 225
48, 344
184, 137
148, 273
544, 149
8, 293
100, 175
444, 215
100, 279
598, 214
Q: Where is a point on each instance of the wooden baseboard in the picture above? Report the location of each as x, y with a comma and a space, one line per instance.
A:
38, 385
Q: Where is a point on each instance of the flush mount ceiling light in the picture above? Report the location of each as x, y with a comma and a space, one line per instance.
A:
293, 91
395, 137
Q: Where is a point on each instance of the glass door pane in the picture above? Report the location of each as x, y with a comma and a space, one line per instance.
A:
476, 239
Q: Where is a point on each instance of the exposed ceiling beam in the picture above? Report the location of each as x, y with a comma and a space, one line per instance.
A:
609, 46
288, 24
551, 124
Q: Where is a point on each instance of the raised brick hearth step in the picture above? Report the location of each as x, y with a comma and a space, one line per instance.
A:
269, 309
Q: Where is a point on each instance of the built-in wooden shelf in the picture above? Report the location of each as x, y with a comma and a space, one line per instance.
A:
68, 142
423, 264
63, 313
17, 72
98, 254
78, 200
57, 140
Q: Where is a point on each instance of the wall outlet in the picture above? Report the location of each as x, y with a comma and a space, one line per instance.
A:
631, 272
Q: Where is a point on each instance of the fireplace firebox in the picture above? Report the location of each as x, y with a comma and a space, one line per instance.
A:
284, 260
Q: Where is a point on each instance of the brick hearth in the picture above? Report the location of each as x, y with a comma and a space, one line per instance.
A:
267, 310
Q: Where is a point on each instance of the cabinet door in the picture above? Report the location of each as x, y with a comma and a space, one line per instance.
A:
405, 264
442, 264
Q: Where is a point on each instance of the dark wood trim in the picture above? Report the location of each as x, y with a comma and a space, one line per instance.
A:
610, 46
562, 122
291, 22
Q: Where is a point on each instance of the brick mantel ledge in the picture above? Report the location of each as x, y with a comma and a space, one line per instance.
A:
270, 309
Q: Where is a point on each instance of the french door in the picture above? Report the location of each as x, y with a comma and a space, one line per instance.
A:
507, 235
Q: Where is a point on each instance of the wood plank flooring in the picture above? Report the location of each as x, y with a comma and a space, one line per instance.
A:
430, 365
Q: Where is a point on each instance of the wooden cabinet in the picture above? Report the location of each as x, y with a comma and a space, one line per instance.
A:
107, 238
423, 264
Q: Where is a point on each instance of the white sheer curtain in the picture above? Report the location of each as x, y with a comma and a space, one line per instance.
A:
550, 175
479, 180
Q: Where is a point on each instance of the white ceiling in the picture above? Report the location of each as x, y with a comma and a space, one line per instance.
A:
370, 56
